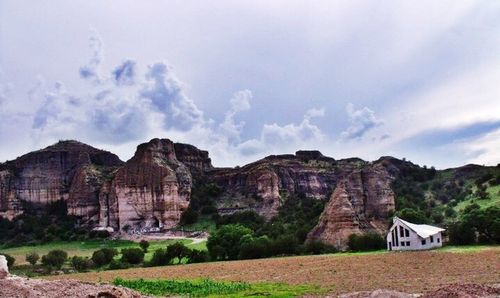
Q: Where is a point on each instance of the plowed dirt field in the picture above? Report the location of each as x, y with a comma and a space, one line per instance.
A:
411, 272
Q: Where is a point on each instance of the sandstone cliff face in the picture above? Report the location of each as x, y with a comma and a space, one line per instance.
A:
361, 203
47, 175
150, 191
153, 188
263, 185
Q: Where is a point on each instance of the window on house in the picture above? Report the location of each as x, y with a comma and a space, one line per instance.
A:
407, 243
402, 243
423, 242
432, 239
401, 232
407, 233
438, 240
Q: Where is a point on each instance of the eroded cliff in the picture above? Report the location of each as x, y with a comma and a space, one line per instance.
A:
153, 188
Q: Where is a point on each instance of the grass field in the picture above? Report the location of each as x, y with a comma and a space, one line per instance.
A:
86, 248
492, 200
335, 273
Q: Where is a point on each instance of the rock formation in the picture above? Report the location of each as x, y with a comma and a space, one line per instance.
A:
61, 171
153, 188
360, 203
4, 269
150, 191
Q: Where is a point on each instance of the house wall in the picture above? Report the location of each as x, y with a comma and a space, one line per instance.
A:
413, 238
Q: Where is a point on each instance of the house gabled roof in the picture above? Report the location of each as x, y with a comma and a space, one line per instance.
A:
423, 231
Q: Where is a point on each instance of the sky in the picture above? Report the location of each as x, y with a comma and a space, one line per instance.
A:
245, 79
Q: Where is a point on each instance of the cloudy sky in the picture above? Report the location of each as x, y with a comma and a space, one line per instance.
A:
245, 79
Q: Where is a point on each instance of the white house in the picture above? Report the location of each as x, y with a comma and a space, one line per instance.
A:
407, 236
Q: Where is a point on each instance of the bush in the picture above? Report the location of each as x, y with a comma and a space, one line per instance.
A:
366, 242
32, 258
254, 248
81, 263
132, 255
285, 245
225, 242
316, 247
115, 265
197, 256
189, 216
103, 256
144, 245
177, 250
160, 258
54, 259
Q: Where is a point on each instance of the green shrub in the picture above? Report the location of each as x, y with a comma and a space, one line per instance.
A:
254, 248
116, 264
81, 263
189, 216
32, 258
197, 256
54, 259
132, 255
366, 242
160, 258
177, 251
284, 245
225, 242
184, 288
103, 256
316, 247
144, 244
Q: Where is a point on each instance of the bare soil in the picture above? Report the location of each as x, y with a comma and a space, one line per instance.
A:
409, 272
18, 287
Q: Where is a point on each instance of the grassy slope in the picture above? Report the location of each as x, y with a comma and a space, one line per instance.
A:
86, 248
493, 199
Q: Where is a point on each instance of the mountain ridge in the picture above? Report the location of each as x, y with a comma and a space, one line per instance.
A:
152, 190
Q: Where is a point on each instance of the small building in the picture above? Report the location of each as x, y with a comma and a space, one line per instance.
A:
404, 235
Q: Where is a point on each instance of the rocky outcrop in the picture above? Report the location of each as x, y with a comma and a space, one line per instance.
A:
195, 159
360, 203
263, 185
150, 191
4, 269
20, 287
47, 175
153, 188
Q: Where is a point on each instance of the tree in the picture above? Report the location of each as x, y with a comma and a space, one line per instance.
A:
32, 258
54, 259
103, 256
144, 244
177, 251
189, 216
226, 241
160, 258
197, 256
254, 248
365, 242
412, 215
81, 263
132, 255
461, 233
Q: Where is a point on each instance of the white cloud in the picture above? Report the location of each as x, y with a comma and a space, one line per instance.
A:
239, 102
92, 70
361, 120
277, 138
485, 149
164, 91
